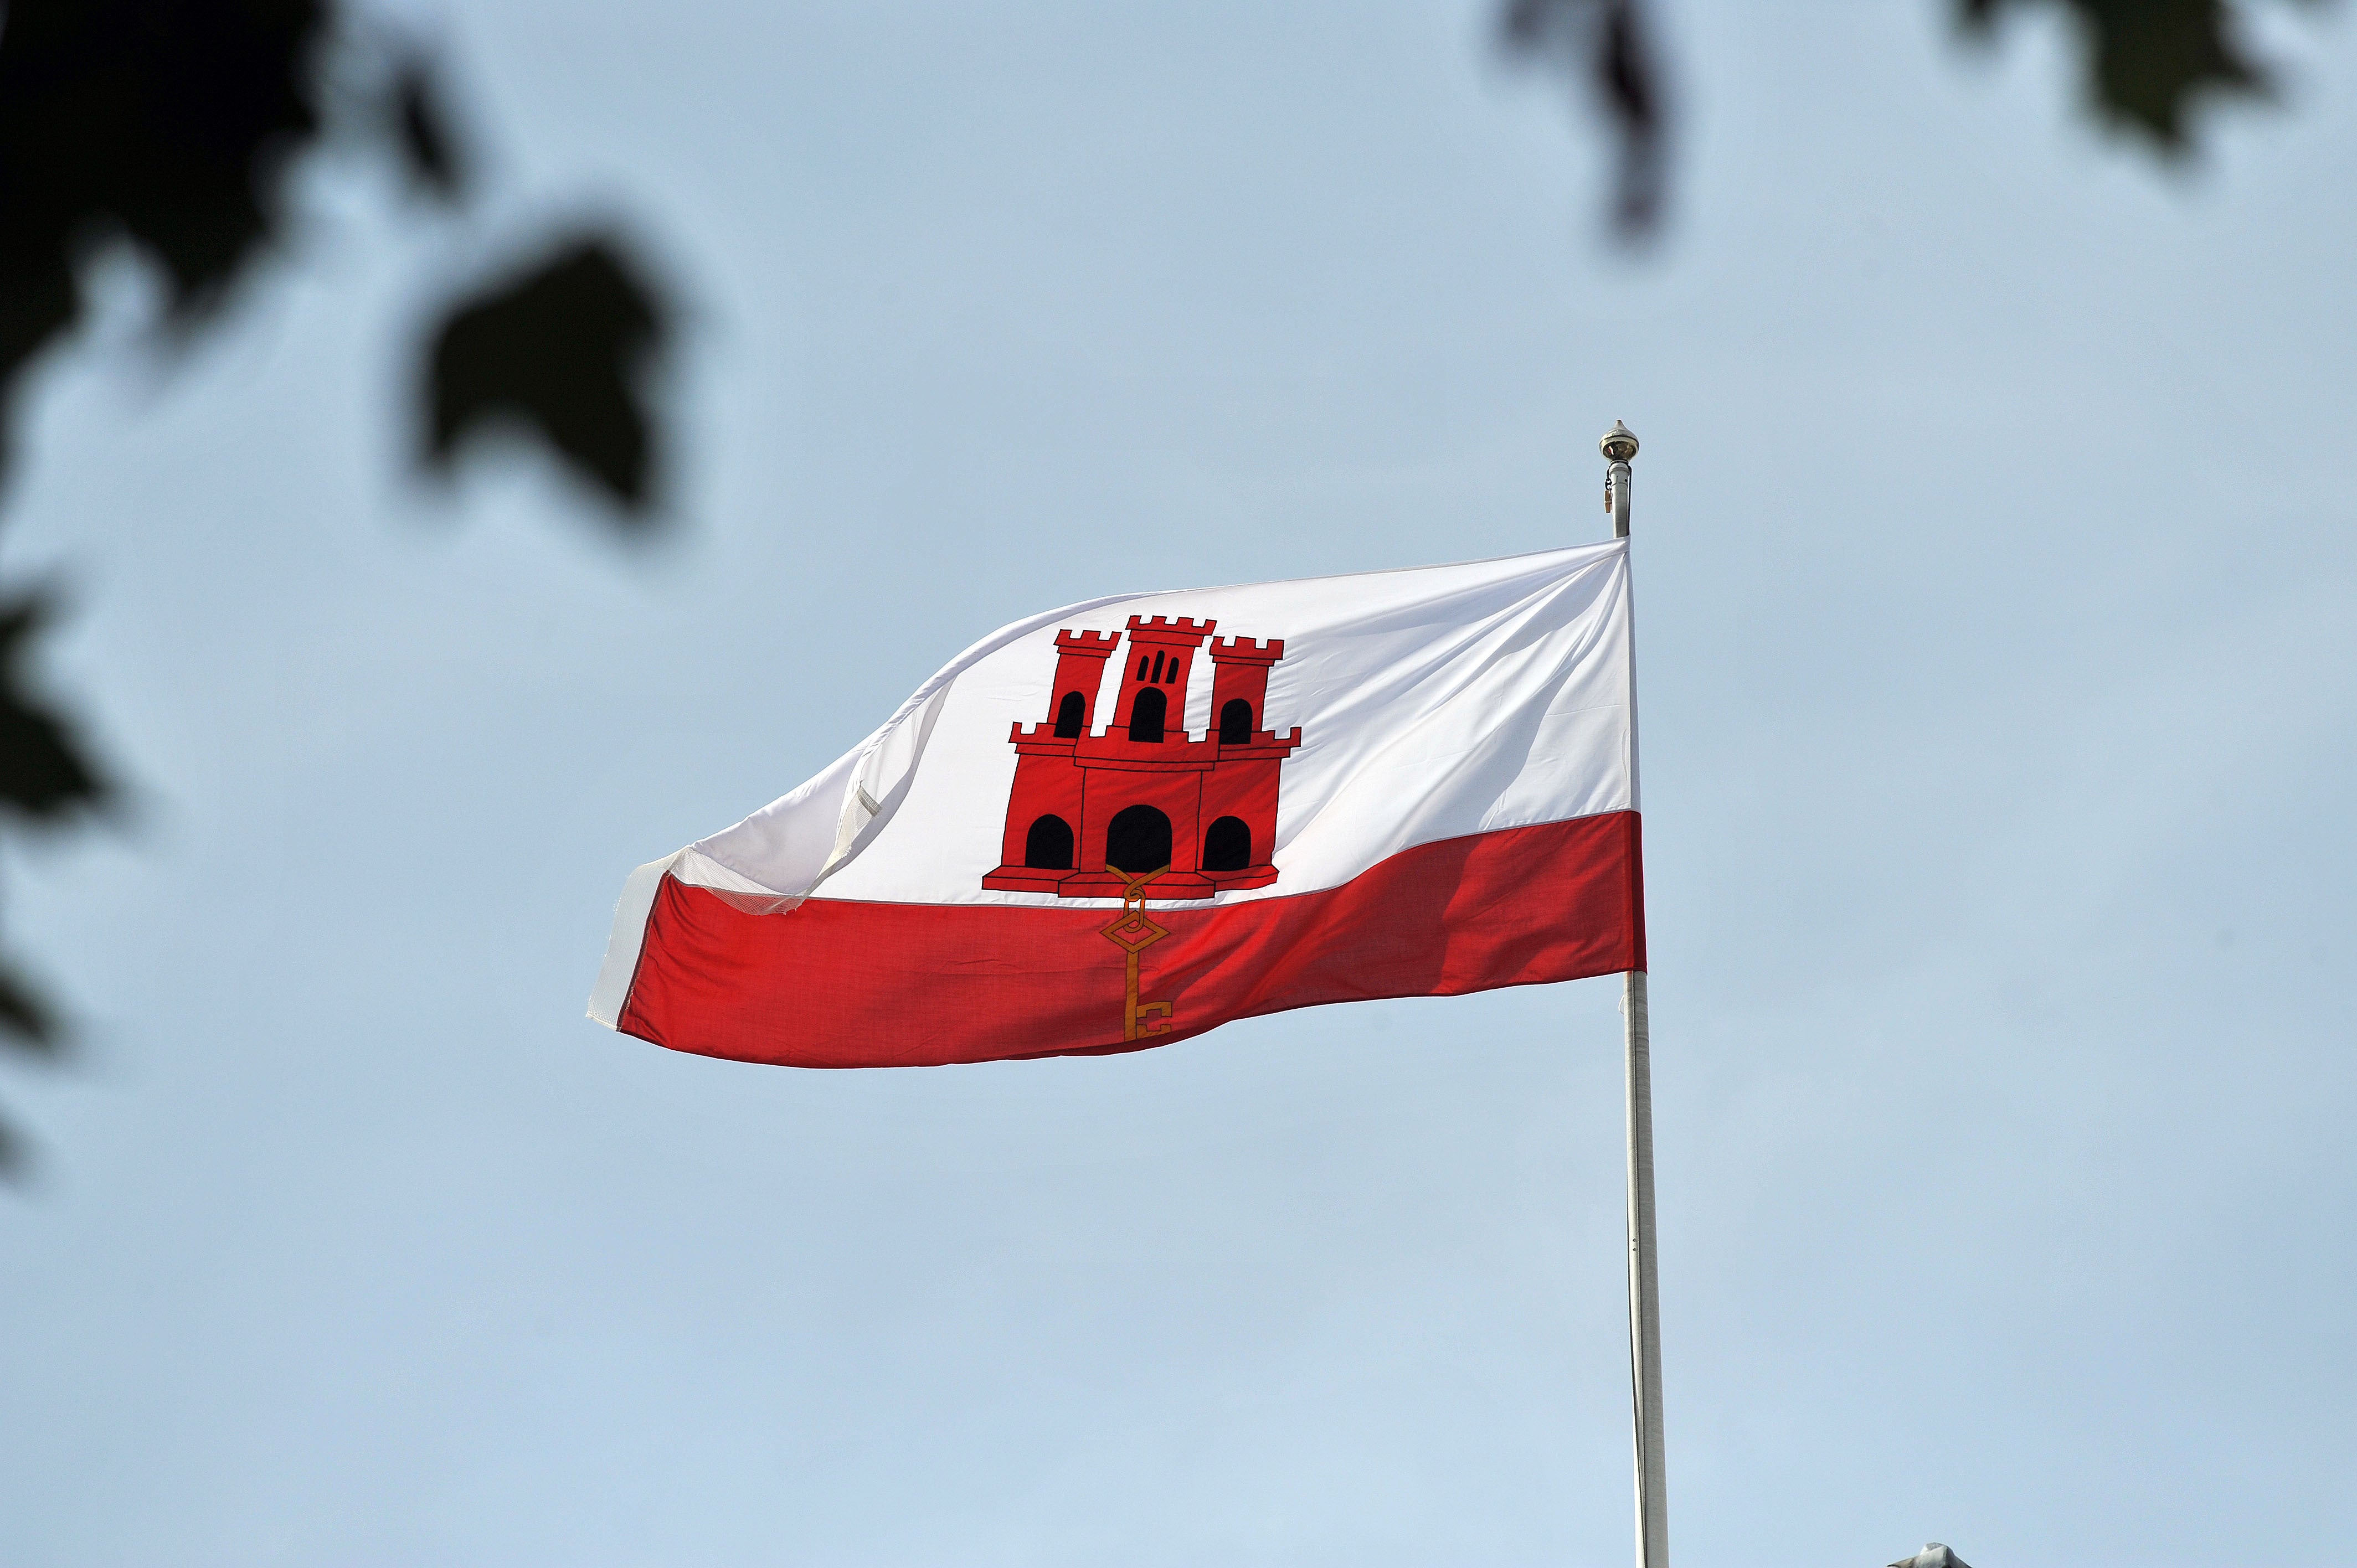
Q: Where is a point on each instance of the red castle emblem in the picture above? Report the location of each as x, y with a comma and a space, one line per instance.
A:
1092, 813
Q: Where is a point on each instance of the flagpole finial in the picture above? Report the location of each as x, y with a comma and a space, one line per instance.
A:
1619, 444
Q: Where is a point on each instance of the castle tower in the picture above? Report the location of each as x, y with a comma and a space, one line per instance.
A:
1239, 803
1080, 673
1240, 674
1153, 701
1043, 814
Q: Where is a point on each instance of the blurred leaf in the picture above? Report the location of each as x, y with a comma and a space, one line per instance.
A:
44, 775
2148, 59
1609, 44
25, 1022
173, 119
561, 351
166, 122
422, 131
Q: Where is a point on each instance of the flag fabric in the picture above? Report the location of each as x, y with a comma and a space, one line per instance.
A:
1134, 819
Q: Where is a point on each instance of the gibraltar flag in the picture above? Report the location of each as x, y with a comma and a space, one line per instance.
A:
1132, 819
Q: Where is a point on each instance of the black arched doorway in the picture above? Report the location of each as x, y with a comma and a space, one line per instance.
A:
1137, 839
1145, 717
1235, 722
1048, 844
1227, 845
1072, 714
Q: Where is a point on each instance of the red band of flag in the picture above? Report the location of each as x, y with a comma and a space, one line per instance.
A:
842, 984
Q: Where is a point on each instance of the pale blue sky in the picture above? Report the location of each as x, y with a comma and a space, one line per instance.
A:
1999, 675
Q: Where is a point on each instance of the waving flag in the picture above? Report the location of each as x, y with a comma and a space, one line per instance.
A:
1132, 819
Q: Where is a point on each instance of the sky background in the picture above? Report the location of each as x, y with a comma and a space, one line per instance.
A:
1994, 565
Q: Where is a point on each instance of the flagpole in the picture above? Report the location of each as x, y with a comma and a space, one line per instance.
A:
1620, 447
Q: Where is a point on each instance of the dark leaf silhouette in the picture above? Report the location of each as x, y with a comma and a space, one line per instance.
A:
45, 778
167, 124
2148, 60
43, 775
1609, 43
562, 352
25, 1023
422, 131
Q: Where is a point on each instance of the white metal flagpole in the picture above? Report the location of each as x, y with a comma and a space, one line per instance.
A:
1620, 447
